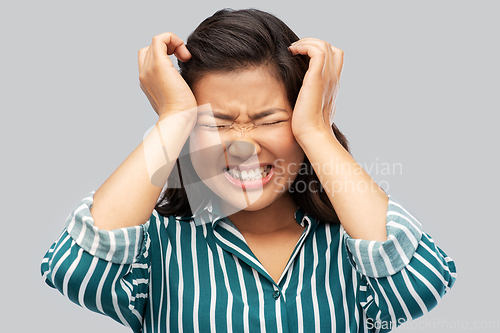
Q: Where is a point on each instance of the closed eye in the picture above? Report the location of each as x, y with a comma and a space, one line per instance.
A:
273, 123
215, 126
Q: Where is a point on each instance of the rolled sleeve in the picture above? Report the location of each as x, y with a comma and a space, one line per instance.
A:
120, 246
381, 259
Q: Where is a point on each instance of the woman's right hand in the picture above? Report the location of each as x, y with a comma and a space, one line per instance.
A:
164, 87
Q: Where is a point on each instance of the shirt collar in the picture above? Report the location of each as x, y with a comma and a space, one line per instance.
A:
212, 212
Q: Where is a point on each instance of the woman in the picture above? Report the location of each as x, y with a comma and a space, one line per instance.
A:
267, 224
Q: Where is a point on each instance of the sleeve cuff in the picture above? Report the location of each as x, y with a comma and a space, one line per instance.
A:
120, 246
382, 259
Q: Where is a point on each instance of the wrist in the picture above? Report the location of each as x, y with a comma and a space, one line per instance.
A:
312, 138
186, 119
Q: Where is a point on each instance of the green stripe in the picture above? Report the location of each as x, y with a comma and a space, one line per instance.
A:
213, 242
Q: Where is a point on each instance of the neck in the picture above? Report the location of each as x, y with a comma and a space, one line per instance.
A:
274, 218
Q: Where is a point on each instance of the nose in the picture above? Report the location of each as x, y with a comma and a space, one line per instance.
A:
239, 151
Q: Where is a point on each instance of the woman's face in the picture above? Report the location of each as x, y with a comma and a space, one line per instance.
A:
249, 167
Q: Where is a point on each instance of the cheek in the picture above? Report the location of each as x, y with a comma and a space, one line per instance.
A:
290, 157
288, 149
202, 139
205, 149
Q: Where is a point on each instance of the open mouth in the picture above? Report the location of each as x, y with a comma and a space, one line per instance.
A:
249, 178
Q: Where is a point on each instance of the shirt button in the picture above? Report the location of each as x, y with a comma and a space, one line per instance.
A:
276, 294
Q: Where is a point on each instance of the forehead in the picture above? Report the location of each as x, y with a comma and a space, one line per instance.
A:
241, 91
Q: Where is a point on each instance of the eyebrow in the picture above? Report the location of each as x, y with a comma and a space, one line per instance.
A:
262, 114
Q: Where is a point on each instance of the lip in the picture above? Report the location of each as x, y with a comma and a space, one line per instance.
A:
251, 184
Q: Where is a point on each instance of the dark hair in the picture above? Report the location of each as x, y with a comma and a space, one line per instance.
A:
231, 40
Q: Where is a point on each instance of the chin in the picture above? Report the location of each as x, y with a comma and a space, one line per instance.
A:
251, 200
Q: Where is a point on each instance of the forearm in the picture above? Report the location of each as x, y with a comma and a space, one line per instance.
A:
359, 202
128, 197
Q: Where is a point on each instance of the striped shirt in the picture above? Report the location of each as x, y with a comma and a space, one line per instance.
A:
198, 274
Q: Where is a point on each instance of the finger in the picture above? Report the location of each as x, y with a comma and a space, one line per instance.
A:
335, 56
182, 53
141, 57
338, 61
170, 43
318, 56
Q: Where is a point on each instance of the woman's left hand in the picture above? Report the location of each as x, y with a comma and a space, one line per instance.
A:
315, 105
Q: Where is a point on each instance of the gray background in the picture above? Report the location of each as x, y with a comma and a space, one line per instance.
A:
418, 88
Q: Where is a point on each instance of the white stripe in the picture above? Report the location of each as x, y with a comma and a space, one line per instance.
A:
370, 256
287, 281
358, 252
403, 209
298, 299
418, 229
85, 282
229, 309
166, 277
164, 271
88, 219
342, 280
139, 265
388, 302
61, 260
137, 314
82, 234
432, 268
375, 298
400, 250
355, 284
114, 297
445, 267
112, 246
95, 243
400, 299
297, 249
387, 261
260, 292
426, 282
413, 293
56, 251
70, 271
237, 249
314, 293
328, 289
365, 322
213, 286
71, 225
407, 232
99, 287
180, 292
128, 284
196, 279
244, 297
125, 287
232, 230
127, 245
138, 235
140, 281
279, 325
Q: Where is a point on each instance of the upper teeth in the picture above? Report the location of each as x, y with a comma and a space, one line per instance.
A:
251, 174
